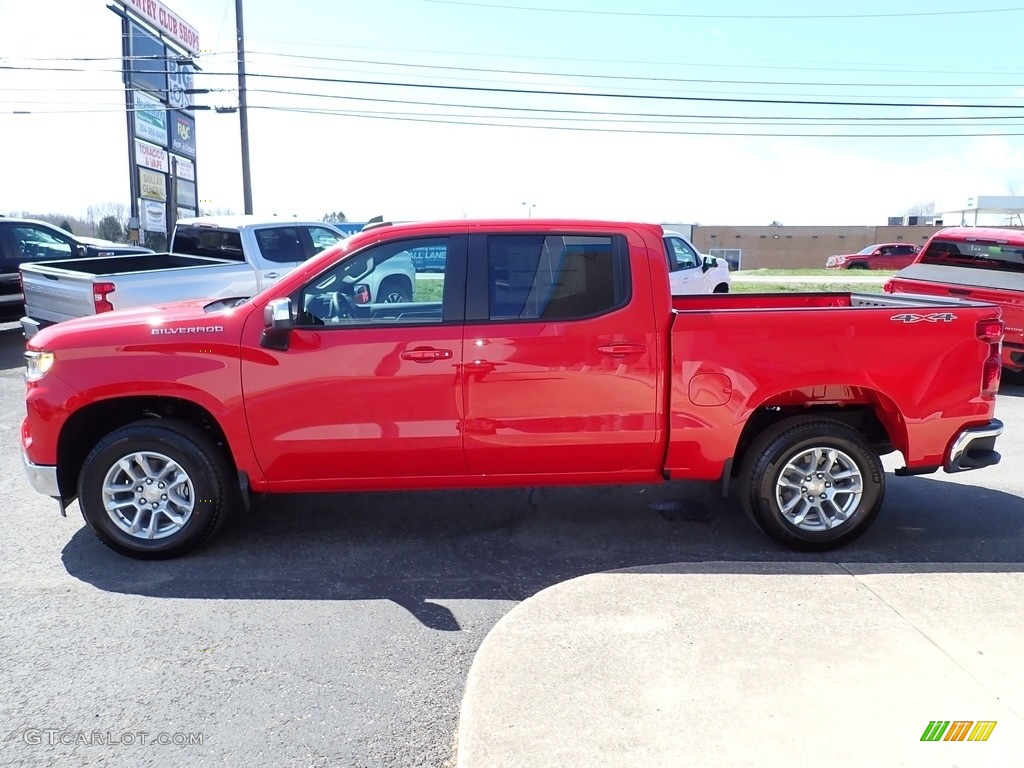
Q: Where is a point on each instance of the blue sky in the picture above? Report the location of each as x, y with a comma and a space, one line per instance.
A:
652, 117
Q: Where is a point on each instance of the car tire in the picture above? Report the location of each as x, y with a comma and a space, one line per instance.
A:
394, 291
721, 288
812, 484
858, 266
155, 489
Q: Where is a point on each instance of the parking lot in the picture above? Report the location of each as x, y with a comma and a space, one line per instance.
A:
338, 630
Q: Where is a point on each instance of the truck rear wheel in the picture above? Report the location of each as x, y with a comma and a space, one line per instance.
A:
154, 489
811, 483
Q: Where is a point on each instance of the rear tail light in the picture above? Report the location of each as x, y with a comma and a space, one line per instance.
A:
991, 330
990, 376
889, 287
100, 291
362, 294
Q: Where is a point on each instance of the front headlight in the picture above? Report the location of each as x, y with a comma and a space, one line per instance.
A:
37, 364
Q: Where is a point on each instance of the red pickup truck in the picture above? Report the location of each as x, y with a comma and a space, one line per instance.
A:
881, 256
980, 263
545, 352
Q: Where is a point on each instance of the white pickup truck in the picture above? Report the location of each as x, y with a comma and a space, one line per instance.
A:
690, 272
210, 258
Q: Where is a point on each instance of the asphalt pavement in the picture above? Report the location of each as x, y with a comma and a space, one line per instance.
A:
341, 630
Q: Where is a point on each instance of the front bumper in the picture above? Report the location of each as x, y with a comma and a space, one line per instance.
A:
974, 448
42, 477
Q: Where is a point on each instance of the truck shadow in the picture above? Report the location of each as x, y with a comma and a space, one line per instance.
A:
420, 549
12, 346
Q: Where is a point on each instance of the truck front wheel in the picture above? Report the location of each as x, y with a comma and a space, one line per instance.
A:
812, 484
154, 489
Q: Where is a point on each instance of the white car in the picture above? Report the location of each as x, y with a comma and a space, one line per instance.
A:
691, 272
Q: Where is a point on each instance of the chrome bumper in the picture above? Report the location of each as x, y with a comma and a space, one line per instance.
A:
974, 448
44, 479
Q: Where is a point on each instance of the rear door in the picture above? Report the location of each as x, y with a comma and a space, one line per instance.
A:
561, 358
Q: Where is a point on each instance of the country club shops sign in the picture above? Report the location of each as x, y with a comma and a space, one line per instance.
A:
168, 22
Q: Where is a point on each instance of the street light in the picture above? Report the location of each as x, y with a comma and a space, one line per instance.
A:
529, 209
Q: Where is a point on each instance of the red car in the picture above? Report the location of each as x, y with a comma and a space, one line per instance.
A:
548, 352
879, 256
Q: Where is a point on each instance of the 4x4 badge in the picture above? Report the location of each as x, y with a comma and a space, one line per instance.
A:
934, 317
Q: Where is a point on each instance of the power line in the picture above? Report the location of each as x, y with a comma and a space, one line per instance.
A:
642, 131
727, 17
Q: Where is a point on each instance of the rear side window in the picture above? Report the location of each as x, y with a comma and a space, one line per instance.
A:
555, 277
280, 245
978, 254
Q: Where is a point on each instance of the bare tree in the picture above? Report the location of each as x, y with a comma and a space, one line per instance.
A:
921, 209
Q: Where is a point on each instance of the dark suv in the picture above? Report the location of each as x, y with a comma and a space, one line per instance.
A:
24, 240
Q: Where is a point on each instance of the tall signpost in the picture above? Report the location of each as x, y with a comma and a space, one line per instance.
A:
158, 48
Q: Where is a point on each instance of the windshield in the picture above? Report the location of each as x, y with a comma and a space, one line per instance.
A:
867, 251
978, 254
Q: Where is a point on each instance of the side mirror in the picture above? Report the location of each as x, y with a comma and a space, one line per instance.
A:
277, 324
277, 315
708, 262
81, 251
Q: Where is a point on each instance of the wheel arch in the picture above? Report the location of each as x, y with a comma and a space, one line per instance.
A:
868, 411
86, 426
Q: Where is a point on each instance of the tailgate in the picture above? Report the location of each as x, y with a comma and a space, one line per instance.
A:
1005, 290
54, 294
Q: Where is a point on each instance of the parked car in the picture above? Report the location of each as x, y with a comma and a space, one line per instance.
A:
690, 272
28, 240
881, 256
210, 258
554, 355
980, 263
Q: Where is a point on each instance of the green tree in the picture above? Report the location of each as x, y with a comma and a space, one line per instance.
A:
109, 228
334, 217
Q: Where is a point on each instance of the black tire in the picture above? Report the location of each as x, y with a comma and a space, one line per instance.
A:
721, 288
394, 290
858, 265
834, 513
195, 466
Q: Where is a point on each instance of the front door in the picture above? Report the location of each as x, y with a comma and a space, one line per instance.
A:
363, 391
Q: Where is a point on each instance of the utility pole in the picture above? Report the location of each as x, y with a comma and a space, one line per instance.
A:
243, 111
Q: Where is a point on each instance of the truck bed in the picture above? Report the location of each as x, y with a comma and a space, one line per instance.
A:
61, 290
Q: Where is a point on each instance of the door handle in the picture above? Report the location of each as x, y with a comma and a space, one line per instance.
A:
272, 275
425, 355
621, 349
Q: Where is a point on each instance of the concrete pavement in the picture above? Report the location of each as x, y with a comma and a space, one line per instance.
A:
753, 664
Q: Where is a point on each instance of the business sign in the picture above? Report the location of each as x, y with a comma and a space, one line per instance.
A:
149, 156
183, 134
185, 192
147, 63
152, 185
184, 169
150, 119
185, 213
168, 22
179, 83
154, 216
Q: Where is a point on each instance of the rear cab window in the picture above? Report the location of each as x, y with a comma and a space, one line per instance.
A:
975, 254
208, 241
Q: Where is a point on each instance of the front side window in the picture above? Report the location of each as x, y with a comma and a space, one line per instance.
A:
377, 286
323, 238
683, 256
38, 244
553, 277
